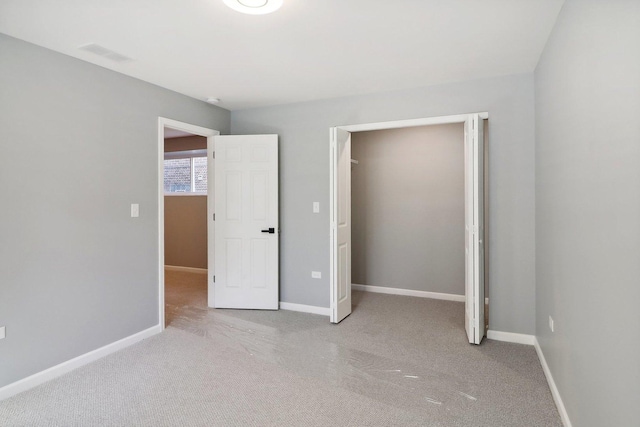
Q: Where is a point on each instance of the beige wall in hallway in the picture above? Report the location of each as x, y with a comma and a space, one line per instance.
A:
185, 231
193, 142
185, 221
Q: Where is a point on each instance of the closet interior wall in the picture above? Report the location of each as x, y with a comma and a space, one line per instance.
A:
408, 208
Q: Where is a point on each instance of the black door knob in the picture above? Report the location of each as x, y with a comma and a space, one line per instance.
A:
270, 230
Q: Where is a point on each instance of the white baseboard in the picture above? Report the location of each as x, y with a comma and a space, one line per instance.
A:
324, 311
511, 337
408, 292
552, 385
185, 269
64, 367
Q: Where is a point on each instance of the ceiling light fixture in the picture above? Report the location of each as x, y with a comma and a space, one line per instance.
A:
254, 7
212, 100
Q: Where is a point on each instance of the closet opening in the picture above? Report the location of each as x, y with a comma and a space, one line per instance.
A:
408, 215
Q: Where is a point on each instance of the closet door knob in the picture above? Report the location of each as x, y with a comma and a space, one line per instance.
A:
270, 230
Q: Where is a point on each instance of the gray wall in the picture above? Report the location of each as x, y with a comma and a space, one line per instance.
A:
79, 145
407, 208
304, 178
185, 231
588, 209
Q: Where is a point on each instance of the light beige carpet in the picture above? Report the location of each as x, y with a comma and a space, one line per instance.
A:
394, 361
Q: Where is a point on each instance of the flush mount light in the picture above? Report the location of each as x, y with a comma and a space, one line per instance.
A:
254, 7
212, 100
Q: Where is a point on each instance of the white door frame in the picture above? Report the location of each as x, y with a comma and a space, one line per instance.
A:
396, 124
209, 134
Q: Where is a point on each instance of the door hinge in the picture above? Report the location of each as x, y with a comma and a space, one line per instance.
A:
214, 154
214, 279
214, 217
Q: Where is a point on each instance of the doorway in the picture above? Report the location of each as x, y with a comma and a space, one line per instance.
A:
341, 221
244, 241
193, 183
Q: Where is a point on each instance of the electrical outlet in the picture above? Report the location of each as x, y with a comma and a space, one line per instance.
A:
551, 326
316, 207
316, 275
3, 332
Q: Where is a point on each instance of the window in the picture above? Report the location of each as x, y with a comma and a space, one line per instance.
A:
185, 172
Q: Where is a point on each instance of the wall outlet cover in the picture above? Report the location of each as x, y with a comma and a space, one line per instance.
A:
3, 332
316, 275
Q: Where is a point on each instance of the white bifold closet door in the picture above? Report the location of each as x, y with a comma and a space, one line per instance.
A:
246, 222
340, 293
474, 228
340, 289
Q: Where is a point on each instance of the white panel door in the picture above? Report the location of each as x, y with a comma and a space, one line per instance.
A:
246, 222
474, 228
340, 293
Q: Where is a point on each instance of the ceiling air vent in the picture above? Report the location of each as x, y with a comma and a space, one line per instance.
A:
104, 52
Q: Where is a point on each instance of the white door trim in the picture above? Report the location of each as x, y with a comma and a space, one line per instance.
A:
396, 124
196, 130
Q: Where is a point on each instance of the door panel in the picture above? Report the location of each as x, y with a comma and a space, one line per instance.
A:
341, 226
259, 193
478, 212
474, 229
468, 231
246, 192
233, 255
259, 255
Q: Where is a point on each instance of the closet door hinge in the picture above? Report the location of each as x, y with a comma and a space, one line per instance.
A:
214, 279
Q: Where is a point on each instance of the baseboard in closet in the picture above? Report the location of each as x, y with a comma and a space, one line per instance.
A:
408, 292
323, 311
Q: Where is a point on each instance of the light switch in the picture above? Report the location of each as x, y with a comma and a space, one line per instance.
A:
316, 207
316, 275
2, 332
135, 210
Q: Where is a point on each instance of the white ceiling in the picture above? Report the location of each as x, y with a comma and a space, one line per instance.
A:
309, 49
